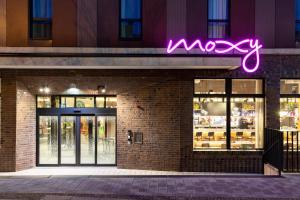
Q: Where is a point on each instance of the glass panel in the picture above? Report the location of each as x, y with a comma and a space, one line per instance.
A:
247, 123
111, 102
217, 9
85, 102
209, 123
130, 9
131, 29
42, 9
67, 102
210, 86
106, 127
68, 140
289, 114
290, 86
247, 86
218, 30
44, 102
100, 102
48, 135
87, 140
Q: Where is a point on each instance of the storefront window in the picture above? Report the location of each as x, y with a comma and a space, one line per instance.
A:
209, 123
100, 102
290, 86
67, 102
247, 86
289, 114
85, 102
247, 123
209, 86
228, 114
111, 102
44, 102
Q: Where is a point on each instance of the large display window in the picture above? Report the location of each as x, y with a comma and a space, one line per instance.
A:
226, 117
290, 112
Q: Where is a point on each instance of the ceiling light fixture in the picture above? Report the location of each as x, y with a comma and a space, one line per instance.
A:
101, 89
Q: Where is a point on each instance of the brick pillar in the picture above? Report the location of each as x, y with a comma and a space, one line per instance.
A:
25, 128
272, 85
8, 122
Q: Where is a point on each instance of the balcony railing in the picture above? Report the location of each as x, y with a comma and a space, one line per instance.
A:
273, 148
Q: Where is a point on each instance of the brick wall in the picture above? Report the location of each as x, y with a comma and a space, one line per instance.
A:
25, 129
8, 121
156, 102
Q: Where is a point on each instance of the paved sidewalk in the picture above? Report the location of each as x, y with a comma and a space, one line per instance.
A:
162, 188
103, 172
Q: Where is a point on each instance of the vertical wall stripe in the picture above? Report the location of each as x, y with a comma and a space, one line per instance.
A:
87, 23
196, 21
2, 23
242, 20
176, 19
17, 23
64, 26
265, 22
285, 24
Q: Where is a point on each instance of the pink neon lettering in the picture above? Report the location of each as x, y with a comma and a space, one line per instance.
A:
248, 47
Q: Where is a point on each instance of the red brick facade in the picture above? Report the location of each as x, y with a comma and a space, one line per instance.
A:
158, 103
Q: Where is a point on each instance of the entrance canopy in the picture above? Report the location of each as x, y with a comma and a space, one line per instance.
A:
113, 58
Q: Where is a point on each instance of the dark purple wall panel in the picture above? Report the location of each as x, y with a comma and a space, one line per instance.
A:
242, 19
154, 23
196, 21
108, 23
285, 24
265, 22
87, 23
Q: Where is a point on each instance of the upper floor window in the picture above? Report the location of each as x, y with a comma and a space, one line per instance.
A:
297, 6
218, 19
131, 19
41, 19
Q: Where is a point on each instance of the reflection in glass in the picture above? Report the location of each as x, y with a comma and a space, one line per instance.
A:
247, 86
48, 135
100, 102
247, 122
68, 140
106, 127
209, 123
210, 86
87, 140
44, 102
85, 102
67, 102
111, 102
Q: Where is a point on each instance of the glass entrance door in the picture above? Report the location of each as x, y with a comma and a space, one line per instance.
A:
77, 140
87, 139
68, 138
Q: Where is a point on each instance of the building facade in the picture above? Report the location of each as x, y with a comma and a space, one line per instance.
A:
101, 82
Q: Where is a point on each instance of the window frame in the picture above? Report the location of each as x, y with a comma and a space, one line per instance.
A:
33, 21
228, 96
227, 21
75, 99
297, 21
131, 21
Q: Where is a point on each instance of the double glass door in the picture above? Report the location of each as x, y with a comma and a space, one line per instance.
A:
77, 140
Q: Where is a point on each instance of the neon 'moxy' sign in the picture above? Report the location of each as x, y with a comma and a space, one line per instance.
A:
246, 47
